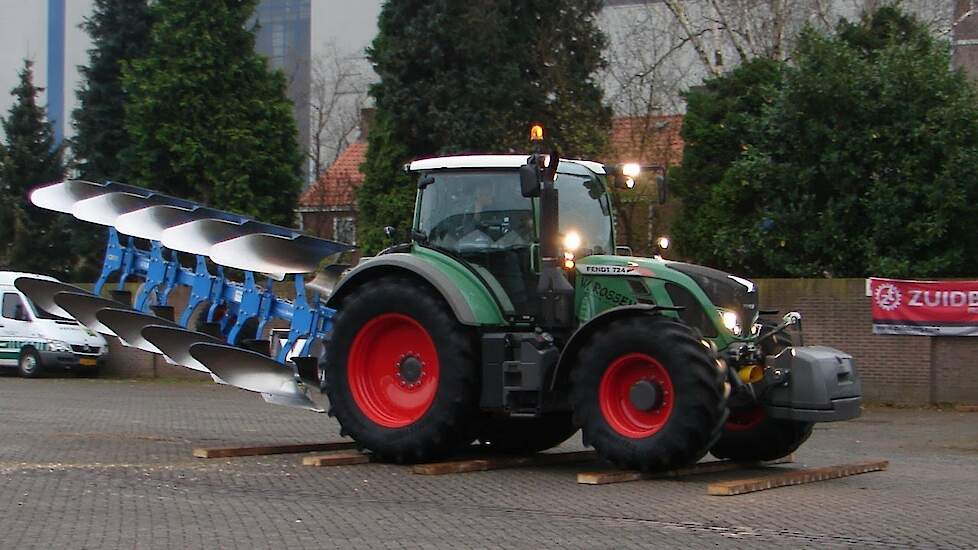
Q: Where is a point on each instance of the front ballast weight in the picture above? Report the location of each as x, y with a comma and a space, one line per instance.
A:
236, 313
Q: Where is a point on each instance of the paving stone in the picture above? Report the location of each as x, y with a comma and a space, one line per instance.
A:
107, 464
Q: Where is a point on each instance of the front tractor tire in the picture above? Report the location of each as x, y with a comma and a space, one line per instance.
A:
750, 434
401, 372
648, 394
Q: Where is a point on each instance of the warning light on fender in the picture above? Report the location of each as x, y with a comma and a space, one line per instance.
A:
536, 132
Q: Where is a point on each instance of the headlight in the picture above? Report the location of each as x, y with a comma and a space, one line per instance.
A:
631, 169
731, 321
572, 241
58, 345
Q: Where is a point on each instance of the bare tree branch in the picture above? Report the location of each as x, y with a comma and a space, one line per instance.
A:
734, 39
338, 91
679, 12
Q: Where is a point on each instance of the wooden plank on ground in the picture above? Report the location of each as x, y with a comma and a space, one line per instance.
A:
966, 408
225, 452
619, 476
499, 462
345, 458
794, 477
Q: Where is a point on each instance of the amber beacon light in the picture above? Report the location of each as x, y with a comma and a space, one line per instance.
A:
536, 132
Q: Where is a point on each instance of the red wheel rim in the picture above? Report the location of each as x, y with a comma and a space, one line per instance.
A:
744, 419
616, 404
392, 370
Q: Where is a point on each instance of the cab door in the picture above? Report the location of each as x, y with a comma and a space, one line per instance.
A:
14, 328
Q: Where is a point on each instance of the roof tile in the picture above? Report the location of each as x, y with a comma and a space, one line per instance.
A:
336, 186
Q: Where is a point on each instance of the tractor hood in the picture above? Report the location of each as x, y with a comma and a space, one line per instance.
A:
724, 291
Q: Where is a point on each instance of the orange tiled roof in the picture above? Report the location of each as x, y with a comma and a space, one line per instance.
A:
652, 140
336, 186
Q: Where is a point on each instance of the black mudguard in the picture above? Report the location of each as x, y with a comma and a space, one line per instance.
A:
812, 384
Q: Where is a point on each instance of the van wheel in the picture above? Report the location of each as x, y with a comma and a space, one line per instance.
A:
29, 363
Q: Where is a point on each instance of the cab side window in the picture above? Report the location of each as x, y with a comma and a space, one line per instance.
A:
13, 307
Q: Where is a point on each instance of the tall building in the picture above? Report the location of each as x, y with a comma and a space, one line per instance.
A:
284, 33
48, 33
56, 67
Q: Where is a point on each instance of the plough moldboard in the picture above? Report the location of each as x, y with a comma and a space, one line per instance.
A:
233, 308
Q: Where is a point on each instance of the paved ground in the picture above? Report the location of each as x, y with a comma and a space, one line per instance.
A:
107, 464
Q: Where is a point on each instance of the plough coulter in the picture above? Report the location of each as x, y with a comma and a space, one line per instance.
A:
511, 316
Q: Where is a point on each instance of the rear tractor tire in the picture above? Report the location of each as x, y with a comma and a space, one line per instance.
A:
527, 435
750, 433
402, 373
648, 394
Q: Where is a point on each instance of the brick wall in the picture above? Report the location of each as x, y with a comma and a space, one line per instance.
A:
894, 369
134, 363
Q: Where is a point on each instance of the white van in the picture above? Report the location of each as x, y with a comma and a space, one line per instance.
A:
34, 340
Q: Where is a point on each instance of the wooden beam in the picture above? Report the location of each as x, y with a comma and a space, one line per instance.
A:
225, 452
499, 462
966, 408
794, 477
336, 459
620, 476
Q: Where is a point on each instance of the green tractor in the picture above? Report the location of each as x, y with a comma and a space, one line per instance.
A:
512, 317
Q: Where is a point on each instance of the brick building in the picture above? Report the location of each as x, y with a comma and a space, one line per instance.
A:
328, 207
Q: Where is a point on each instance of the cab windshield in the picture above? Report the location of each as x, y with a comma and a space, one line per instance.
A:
469, 211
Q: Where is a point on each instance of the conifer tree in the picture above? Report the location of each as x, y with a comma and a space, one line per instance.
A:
120, 32
32, 239
471, 77
208, 119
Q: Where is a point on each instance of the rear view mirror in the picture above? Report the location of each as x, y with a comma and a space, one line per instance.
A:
532, 174
530, 179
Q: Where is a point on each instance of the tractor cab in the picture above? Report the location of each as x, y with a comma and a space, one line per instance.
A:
473, 208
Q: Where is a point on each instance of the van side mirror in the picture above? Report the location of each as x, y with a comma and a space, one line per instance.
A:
530, 179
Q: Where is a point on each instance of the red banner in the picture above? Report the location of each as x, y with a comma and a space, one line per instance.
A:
929, 308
